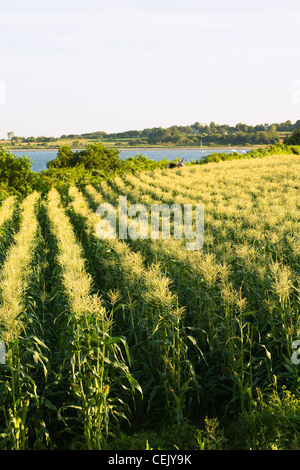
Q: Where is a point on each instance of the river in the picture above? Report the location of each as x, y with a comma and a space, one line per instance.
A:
39, 158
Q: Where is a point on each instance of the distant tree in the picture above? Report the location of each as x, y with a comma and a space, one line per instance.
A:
294, 139
156, 136
285, 126
196, 126
259, 128
94, 135
272, 128
242, 127
240, 138
288, 125
10, 135
146, 132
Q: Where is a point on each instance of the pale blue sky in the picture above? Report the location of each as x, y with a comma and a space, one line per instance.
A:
70, 66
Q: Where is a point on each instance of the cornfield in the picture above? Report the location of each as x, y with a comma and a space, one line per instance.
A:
107, 335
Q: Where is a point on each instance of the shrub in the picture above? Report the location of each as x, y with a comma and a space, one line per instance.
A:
294, 139
274, 424
15, 174
94, 156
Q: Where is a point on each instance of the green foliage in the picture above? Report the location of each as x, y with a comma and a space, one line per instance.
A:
94, 156
294, 139
79, 168
212, 437
296, 149
142, 163
15, 174
168, 437
65, 158
91, 165
59, 177
274, 424
4, 192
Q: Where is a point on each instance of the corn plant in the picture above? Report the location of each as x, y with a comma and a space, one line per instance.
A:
94, 358
87, 322
6, 209
25, 351
154, 327
9, 218
244, 234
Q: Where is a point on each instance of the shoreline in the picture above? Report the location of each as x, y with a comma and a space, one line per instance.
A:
139, 148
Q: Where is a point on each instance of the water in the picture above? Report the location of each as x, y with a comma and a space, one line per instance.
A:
40, 158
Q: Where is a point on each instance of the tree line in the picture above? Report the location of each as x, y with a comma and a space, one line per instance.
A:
198, 133
194, 135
